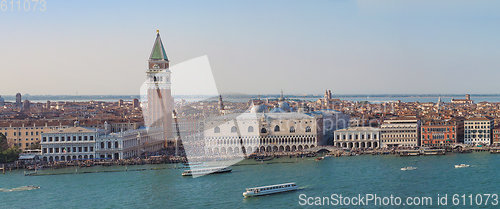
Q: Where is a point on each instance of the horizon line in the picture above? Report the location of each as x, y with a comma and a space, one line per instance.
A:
271, 94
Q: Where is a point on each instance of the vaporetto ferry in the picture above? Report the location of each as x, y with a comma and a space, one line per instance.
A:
206, 171
272, 189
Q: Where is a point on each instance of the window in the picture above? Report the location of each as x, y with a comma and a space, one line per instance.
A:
292, 129
233, 129
216, 130
79, 138
276, 128
263, 130
116, 145
308, 129
102, 145
109, 145
250, 129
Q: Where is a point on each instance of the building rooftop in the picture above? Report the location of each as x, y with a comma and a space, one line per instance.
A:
360, 128
479, 119
73, 130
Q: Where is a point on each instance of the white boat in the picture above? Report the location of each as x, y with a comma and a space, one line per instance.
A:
462, 166
409, 168
272, 189
205, 171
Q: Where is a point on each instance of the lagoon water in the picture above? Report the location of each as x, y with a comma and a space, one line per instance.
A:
166, 188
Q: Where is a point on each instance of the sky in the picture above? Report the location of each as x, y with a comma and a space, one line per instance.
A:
256, 47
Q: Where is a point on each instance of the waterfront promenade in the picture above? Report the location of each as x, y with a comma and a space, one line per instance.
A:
162, 186
321, 151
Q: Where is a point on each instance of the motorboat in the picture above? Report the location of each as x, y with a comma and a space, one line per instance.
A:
462, 166
409, 168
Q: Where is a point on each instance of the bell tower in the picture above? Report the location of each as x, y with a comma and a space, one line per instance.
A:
159, 105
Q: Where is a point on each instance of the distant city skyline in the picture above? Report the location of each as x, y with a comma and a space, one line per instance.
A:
256, 47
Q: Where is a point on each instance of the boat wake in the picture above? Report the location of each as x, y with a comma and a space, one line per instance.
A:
303, 187
18, 189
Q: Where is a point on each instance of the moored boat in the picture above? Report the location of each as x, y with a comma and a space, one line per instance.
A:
404, 153
320, 158
433, 151
495, 150
264, 158
271, 189
206, 171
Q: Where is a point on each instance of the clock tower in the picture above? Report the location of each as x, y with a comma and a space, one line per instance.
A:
158, 103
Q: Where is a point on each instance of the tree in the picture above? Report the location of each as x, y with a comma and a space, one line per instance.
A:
7, 154
3, 143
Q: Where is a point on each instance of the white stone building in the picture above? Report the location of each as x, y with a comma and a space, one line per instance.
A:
260, 132
132, 143
357, 137
478, 131
74, 143
80, 143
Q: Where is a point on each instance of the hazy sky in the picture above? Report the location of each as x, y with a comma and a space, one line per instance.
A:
257, 47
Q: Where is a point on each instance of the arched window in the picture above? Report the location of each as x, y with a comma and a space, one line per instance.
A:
308, 129
233, 129
263, 130
276, 128
116, 144
216, 130
102, 145
109, 145
250, 129
292, 129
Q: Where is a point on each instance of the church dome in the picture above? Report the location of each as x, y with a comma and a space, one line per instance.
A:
258, 109
276, 110
284, 106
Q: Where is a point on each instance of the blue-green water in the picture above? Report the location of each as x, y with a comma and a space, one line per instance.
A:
348, 176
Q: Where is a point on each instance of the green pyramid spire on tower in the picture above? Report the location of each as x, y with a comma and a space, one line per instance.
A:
158, 52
